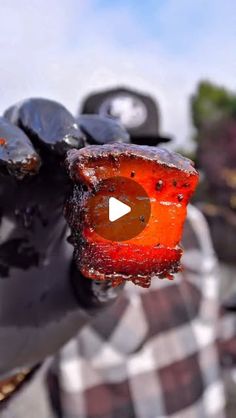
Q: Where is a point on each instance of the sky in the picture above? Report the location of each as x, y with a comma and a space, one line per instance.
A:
65, 49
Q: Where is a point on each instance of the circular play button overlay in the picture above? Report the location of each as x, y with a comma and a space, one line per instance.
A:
119, 209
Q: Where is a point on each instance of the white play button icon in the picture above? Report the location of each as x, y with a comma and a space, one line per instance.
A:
117, 209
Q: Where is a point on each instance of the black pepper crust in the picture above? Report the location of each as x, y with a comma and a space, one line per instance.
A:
95, 153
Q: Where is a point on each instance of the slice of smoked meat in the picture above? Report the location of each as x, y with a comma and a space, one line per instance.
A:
168, 179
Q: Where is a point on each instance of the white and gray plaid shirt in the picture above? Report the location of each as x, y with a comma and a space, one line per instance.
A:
155, 353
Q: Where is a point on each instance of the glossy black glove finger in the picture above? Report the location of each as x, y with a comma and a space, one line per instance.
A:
47, 123
101, 130
34, 205
17, 155
32, 193
40, 309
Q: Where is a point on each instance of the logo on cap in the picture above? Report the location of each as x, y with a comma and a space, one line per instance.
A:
129, 109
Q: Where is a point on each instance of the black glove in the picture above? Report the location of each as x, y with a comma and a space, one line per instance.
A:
40, 308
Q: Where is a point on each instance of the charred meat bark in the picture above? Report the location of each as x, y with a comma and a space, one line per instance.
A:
168, 179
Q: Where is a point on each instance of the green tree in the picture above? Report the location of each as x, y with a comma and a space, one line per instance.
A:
211, 103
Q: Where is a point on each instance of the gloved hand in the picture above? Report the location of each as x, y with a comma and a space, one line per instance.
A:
40, 309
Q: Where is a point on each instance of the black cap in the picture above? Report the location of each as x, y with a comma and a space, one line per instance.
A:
137, 112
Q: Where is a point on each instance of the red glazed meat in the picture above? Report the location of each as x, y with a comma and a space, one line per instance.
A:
169, 181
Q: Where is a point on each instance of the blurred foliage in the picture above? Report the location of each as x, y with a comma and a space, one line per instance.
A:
213, 111
211, 103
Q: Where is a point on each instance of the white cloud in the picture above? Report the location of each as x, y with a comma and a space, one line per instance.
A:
62, 50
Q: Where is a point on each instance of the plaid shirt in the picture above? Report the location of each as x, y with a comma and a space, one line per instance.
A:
154, 353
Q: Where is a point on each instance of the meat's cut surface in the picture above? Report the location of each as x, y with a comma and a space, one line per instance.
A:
168, 179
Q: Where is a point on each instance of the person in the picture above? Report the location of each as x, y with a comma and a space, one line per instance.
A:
157, 352
152, 353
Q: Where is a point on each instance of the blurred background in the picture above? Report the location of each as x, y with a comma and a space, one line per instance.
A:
65, 49
180, 52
